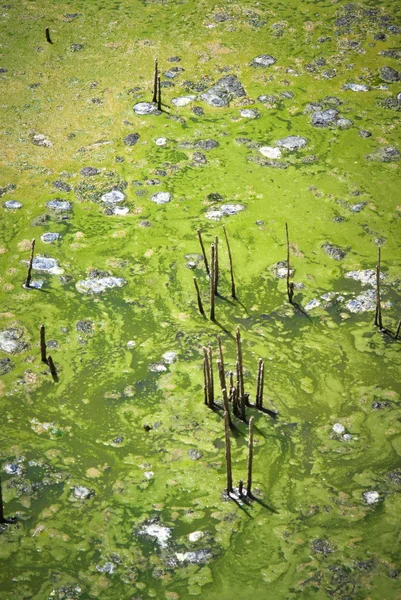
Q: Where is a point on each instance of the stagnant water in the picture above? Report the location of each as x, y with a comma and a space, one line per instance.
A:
110, 469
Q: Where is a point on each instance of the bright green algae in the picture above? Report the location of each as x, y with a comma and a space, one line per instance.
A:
325, 369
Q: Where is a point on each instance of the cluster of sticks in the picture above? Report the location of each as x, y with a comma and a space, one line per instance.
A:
157, 89
213, 273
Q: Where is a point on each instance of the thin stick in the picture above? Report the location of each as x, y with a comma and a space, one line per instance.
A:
52, 368
216, 264
29, 273
2, 519
221, 375
198, 296
226, 405
159, 95
43, 344
198, 231
233, 295
154, 99
47, 32
240, 488
231, 385
398, 330
240, 363
205, 382
290, 288
250, 459
237, 390
211, 378
257, 401
207, 379
378, 316
222, 361
212, 275
228, 453
262, 381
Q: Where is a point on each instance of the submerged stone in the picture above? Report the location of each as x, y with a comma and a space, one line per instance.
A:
312, 304
161, 197
89, 171
195, 536
59, 205
160, 533
225, 90
61, 185
366, 277
12, 204
50, 237
388, 154
324, 118
364, 133
343, 123
99, 285
119, 211
169, 357
146, 108
338, 428
182, 101
334, 251
292, 142
263, 60
389, 75
5, 365
113, 197
194, 454
321, 546
225, 210
249, 113
108, 567
195, 557
47, 265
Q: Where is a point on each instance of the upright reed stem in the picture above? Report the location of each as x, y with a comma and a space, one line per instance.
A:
211, 377
155, 81
240, 364
222, 362
43, 344
2, 519
228, 453
159, 95
378, 317
216, 264
250, 459
290, 287
29, 273
212, 284
226, 405
198, 231
233, 293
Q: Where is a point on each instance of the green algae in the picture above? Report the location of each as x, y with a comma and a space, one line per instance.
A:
327, 369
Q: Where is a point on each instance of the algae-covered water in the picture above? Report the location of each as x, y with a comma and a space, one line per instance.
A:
116, 472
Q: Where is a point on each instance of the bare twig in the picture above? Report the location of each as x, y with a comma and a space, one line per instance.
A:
198, 231
29, 272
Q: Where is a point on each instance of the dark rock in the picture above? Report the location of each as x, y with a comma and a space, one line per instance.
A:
225, 90
380, 404
145, 223
214, 197
389, 75
199, 158
6, 365
61, 185
379, 37
287, 95
364, 133
118, 440
172, 73
174, 59
85, 326
3, 70
198, 111
395, 476
266, 99
334, 251
206, 144
89, 171
365, 566
167, 84
320, 546
131, 139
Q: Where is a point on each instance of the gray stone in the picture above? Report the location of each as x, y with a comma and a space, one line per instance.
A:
12, 204
131, 139
334, 251
206, 144
324, 118
59, 205
47, 265
194, 454
85, 326
265, 99
182, 100
249, 113
11, 340
343, 123
113, 197
292, 142
363, 303
371, 497
61, 185
108, 567
356, 208
82, 493
312, 304
363, 133
225, 90
366, 277
356, 87
89, 171
225, 210
263, 60
388, 154
99, 285
40, 140
389, 75
320, 546
49, 237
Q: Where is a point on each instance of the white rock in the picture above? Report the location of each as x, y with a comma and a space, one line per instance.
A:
161, 141
146, 108
131, 344
182, 101
157, 368
338, 428
195, 536
270, 152
99, 285
312, 304
169, 357
161, 533
47, 265
113, 197
148, 474
161, 197
371, 497
120, 211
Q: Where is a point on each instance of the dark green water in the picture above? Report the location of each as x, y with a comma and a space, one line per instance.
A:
129, 424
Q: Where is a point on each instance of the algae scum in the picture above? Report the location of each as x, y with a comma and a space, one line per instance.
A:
272, 113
